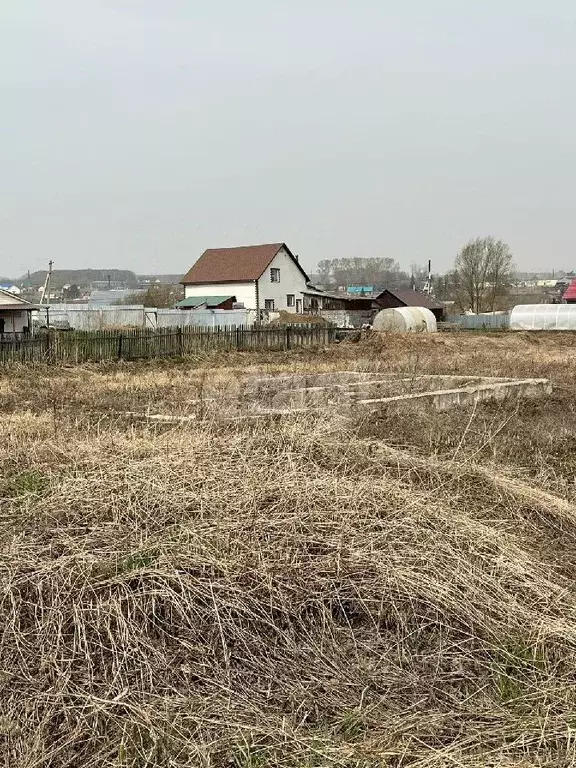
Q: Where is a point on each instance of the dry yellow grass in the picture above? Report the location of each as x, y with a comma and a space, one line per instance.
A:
335, 592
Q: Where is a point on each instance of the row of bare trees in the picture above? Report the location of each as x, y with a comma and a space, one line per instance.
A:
479, 281
360, 271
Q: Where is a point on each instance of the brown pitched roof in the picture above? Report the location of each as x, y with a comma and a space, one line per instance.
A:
414, 299
235, 265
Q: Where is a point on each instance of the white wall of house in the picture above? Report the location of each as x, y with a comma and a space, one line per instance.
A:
245, 292
14, 321
292, 282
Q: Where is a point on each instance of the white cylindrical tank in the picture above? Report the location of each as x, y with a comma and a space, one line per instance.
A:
543, 317
405, 320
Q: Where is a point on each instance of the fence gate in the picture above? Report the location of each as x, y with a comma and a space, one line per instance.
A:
149, 318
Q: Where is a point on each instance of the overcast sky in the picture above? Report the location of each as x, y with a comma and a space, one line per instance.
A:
137, 133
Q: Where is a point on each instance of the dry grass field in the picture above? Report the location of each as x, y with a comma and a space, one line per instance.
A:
322, 589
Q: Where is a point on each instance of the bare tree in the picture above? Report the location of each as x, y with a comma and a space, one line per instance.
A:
418, 274
482, 273
324, 271
156, 296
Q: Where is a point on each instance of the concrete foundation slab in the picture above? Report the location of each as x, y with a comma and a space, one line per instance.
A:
261, 395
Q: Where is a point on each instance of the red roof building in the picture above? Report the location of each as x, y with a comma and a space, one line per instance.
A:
570, 294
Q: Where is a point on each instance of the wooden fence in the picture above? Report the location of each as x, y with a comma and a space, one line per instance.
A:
134, 344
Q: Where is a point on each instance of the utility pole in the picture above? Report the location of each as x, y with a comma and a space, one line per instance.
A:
428, 286
46, 293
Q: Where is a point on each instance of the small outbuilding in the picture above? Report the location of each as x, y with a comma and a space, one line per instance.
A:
389, 299
15, 315
316, 300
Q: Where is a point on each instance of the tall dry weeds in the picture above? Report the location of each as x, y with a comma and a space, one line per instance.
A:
279, 595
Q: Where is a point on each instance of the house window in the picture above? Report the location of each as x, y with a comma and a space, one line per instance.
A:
274, 275
269, 304
290, 300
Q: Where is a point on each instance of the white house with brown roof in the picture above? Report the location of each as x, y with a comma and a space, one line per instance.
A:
259, 276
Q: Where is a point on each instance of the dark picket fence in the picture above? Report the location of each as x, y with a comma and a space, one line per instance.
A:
135, 344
